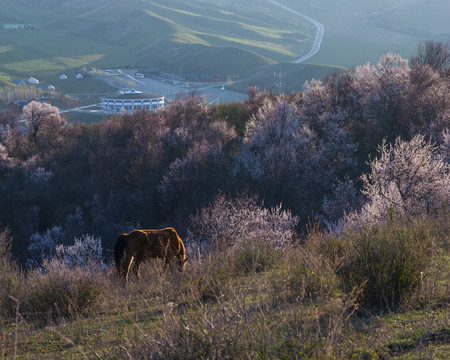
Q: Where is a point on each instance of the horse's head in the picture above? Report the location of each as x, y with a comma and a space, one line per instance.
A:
181, 263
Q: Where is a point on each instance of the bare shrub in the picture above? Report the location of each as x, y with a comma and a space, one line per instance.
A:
58, 291
434, 54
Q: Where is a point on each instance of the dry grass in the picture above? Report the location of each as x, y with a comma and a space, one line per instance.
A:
234, 304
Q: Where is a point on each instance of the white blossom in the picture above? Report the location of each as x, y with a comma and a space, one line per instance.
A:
85, 250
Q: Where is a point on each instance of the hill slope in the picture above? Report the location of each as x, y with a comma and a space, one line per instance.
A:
229, 37
174, 35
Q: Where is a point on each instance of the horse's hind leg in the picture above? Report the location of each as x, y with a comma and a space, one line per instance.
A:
137, 265
129, 261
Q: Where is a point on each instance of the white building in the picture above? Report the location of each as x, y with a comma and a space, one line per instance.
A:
14, 26
131, 101
33, 81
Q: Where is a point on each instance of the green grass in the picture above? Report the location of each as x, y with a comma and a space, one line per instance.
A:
357, 32
194, 36
4, 80
74, 86
231, 39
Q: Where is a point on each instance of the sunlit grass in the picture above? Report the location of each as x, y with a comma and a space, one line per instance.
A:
4, 80
79, 61
5, 49
32, 65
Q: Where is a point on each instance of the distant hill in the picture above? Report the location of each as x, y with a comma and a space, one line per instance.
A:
357, 31
230, 39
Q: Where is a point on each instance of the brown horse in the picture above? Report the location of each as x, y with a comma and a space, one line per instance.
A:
140, 245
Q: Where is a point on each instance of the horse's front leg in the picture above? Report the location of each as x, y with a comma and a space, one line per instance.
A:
128, 262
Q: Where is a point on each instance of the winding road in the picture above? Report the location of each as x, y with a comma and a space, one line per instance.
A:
317, 39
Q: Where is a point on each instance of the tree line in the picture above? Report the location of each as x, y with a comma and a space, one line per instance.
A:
343, 151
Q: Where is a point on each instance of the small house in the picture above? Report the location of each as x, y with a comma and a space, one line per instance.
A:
33, 81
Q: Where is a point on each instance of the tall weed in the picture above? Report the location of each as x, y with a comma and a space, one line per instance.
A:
389, 259
11, 280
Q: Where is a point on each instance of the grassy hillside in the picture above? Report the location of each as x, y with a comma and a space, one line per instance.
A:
361, 31
247, 302
174, 35
230, 38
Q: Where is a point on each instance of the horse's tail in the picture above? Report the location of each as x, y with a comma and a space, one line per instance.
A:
119, 249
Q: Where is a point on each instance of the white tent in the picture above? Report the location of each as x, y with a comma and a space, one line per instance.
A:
51, 88
63, 77
33, 81
79, 76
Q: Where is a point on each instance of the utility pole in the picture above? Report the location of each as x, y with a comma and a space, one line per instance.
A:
279, 80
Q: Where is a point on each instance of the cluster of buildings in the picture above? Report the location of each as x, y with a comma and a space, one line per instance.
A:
128, 100
33, 81
21, 27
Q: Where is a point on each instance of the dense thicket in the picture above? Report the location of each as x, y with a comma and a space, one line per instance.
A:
306, 152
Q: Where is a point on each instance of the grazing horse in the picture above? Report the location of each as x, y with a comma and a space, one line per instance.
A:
140, 245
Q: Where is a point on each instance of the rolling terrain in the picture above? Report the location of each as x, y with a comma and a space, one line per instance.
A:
361, 31
234, 39
176, 36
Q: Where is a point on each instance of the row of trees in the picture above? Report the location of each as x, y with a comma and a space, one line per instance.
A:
306, 152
